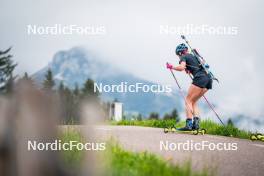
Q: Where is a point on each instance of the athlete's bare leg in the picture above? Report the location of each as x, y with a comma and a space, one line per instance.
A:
195, 107
196, 110
193, 95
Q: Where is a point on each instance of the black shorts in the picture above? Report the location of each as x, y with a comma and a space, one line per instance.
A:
203, 82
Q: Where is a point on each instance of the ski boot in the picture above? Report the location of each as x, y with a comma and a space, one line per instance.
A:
192, 127
196, 126
196, 123
188, 126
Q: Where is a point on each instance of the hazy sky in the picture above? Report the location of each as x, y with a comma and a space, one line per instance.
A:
134, 42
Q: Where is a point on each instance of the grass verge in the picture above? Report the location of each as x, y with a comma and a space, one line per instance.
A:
122, 162
119, 162
72, 158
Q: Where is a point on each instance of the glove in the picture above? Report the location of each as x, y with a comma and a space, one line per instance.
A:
169, 66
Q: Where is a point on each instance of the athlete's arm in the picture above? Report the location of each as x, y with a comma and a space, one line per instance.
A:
180, 67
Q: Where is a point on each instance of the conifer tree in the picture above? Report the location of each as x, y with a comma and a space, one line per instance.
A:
49, 82
88, 90
7, 67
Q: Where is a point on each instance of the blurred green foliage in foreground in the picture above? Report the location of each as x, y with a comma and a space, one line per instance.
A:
119, 162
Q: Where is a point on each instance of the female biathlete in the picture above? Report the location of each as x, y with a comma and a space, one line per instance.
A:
200, 85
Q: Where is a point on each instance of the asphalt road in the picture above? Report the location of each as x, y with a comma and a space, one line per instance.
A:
247, 160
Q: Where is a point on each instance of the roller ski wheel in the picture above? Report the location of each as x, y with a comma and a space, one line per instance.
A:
203, 131
257, 136
199, 131
170, 129
260, 136
253, 137
194, 132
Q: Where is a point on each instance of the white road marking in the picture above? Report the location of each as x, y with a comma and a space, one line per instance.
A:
258, 145
102, 128
216, 137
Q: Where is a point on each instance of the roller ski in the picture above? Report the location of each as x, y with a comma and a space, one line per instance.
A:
175, 130
190, 128
257, 137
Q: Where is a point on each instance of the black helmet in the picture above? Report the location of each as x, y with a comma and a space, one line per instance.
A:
180, 48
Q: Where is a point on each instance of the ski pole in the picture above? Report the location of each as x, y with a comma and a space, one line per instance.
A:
211, 106
207, 101
181, 92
